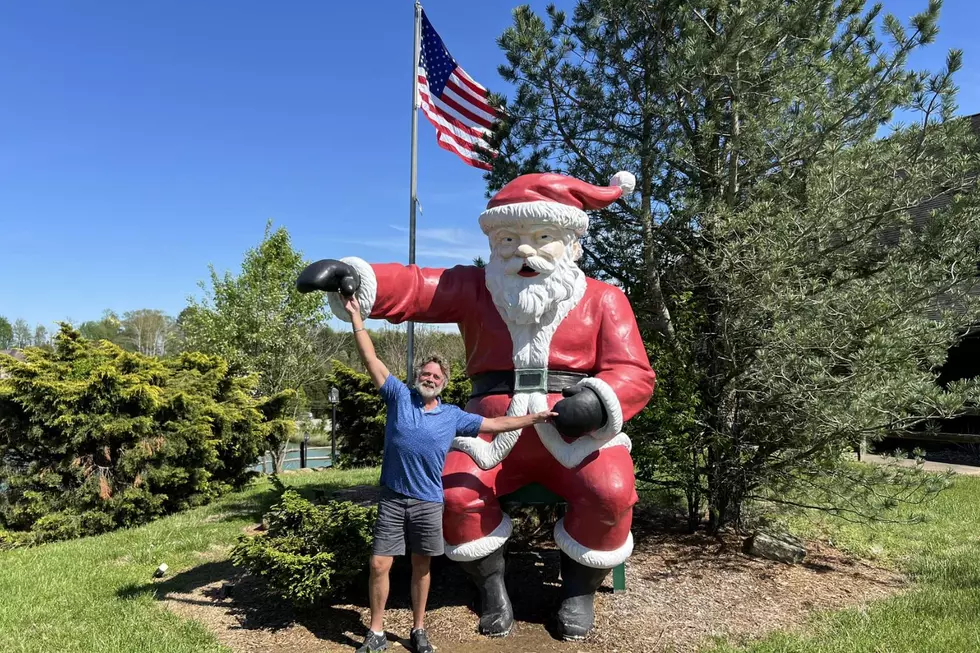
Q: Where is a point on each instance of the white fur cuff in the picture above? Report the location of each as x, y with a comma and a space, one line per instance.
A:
366, 293
571, 454
614, 412
591, 557
490, 454
482, 547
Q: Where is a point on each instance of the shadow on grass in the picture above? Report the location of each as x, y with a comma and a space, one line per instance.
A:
183, 583
221, 586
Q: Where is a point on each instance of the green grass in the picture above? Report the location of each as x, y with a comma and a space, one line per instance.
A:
940, 613
95, 594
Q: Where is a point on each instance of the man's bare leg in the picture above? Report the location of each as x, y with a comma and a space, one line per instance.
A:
420, 588
378, 589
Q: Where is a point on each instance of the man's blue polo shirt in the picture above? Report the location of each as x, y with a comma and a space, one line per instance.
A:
417, 441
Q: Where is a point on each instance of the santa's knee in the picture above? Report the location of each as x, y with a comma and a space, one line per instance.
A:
464, 497
466, 487
609, 494
470, 511
612, 507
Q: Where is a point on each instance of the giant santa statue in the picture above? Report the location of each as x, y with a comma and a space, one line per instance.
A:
538, 335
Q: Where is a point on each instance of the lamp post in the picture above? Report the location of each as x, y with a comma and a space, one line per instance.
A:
334, 398
304, 447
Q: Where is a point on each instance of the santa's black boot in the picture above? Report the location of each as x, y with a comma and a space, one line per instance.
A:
578, 586
496, 611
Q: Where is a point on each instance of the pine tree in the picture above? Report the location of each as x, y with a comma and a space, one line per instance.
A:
93, 437
794, 298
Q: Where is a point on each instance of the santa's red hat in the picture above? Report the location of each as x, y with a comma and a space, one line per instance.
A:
552, 198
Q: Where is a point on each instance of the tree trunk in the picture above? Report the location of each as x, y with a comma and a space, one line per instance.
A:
659, 313
693, 496
278, 456
719, 416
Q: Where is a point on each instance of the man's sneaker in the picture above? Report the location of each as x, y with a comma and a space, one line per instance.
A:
420, 642
374, 642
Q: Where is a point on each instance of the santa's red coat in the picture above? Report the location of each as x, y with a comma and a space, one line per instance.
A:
598, 337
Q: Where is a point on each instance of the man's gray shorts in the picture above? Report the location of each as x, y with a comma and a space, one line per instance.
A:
402, 520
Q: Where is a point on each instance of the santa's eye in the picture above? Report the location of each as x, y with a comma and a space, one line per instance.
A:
545, 237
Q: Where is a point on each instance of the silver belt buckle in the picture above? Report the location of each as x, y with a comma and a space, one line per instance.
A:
531, 379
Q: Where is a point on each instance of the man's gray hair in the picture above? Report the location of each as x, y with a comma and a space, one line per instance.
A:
438, 360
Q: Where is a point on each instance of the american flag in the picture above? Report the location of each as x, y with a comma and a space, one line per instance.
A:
452, 101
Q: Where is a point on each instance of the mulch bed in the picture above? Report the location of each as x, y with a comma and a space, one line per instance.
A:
682, 589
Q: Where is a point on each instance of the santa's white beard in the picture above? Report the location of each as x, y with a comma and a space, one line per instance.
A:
526, 300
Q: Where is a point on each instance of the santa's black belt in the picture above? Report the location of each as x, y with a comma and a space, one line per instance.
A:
506, 382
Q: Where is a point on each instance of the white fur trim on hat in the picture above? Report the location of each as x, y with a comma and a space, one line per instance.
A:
366, 293
625, 180
536, 212
482, 547
591, 557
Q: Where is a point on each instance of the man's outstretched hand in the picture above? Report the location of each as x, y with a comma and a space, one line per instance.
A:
329, 275
580, 412
544, 416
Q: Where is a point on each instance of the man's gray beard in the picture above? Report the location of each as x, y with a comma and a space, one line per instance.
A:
427, 393
526, 300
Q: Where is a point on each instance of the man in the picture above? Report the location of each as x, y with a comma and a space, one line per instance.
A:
539, 334
418, 433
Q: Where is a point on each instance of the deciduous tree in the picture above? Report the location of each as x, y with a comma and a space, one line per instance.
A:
258, 320
22, 336
6, 333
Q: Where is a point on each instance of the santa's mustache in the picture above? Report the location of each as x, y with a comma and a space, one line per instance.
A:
536, 263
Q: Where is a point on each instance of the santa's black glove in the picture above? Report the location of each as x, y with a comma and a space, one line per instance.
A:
329, 275
580, 412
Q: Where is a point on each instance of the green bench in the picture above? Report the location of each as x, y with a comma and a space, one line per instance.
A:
538, 495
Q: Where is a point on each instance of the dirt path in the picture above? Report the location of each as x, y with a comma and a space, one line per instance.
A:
681, 589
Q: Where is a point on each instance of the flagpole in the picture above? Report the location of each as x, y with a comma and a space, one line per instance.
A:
410, 367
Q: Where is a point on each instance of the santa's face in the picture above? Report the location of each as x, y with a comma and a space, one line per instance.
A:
529, 250
532, 268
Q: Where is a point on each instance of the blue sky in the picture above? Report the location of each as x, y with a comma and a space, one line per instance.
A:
142, 141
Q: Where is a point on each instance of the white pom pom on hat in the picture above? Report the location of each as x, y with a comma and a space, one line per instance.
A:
625, 180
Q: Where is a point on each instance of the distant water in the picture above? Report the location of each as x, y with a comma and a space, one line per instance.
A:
316, 458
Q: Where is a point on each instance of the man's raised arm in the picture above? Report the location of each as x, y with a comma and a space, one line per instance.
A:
376, 369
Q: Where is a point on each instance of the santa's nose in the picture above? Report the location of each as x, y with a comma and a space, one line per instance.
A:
526, 251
